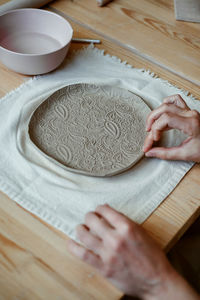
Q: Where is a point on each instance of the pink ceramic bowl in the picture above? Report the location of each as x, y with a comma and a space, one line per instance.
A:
33, 41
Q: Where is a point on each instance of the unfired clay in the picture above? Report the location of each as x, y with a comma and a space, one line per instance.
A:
92, 130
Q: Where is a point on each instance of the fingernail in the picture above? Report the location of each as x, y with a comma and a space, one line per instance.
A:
150, 154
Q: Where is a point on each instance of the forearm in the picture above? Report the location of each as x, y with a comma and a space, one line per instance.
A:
173, 287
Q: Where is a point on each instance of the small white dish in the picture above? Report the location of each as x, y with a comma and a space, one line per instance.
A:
33, 41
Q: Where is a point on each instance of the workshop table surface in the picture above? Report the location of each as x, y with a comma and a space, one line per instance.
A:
34, 262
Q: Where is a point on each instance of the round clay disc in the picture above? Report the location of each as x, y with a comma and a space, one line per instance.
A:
92, 130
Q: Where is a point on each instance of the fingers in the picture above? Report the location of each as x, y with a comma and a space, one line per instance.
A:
148, 143
189, 151
172, 104
173, 153
172, 114
98, 234
176, 100
165, 122
116, 219
84, 254
98, 225
164, 108
88, 238
190, 125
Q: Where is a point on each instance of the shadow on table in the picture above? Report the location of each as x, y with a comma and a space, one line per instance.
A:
129, 298
185, 255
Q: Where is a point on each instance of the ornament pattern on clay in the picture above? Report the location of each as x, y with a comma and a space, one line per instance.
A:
94, 130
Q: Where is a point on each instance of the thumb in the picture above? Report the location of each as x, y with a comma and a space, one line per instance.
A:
173, 153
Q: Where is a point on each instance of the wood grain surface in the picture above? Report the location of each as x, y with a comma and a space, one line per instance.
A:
145, 27
34, 263
4, 1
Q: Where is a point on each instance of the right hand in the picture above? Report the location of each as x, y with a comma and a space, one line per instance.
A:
123, 252
174, 114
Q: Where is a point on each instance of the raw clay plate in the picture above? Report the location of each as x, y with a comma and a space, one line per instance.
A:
92, 130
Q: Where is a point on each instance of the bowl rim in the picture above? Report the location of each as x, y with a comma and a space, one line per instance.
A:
46, 12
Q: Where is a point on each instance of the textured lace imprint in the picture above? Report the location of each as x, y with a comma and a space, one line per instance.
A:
95, 130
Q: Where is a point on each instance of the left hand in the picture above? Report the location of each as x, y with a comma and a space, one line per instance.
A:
174, 114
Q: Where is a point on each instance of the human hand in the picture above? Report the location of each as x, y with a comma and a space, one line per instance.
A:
122, 251
174, 114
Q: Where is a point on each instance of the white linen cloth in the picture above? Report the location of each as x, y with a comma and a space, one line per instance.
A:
60, 197
187, 10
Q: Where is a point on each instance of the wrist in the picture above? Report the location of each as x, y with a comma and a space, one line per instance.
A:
163, 283
171, 286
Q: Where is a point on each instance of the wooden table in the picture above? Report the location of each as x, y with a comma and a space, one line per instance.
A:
34, 263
